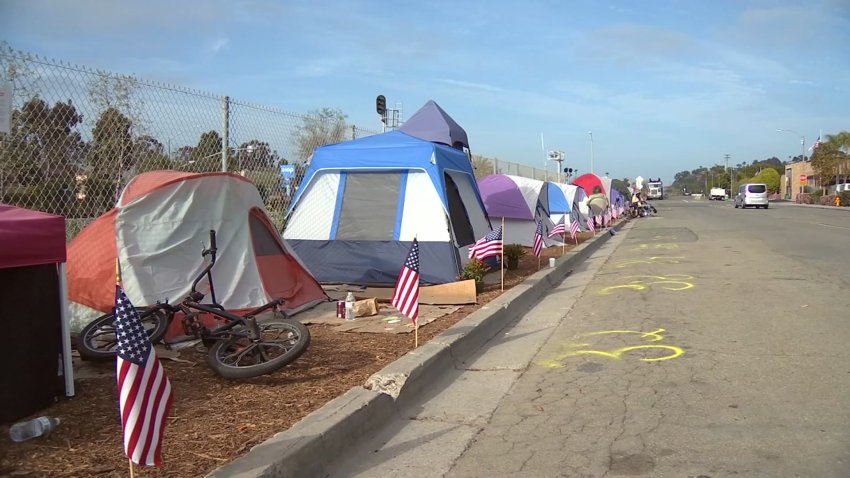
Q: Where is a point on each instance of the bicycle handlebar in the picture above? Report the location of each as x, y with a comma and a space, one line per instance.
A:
212, 249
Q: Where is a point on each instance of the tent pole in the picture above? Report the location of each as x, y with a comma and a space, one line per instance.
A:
67, 360
502, 263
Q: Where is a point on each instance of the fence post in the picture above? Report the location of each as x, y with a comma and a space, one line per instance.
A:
225, 135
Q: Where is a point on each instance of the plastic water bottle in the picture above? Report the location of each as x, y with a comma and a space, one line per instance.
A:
349, 306
34, 428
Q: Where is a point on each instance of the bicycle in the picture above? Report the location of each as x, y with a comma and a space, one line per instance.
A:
241, 347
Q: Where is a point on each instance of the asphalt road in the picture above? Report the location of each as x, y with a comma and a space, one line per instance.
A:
706, 341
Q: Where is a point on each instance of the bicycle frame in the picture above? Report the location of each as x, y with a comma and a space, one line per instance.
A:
190, 305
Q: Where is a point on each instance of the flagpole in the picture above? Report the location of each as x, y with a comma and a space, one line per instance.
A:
118, 283
416, 322
502, 263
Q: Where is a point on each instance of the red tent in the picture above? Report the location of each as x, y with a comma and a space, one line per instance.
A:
33, 308
589, 182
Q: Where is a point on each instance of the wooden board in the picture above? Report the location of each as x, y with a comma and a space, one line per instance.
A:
387, 321
452, 293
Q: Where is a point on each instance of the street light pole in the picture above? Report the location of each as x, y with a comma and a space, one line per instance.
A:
802, 142
591, 151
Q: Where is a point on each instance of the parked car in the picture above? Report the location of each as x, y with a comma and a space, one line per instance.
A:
752, 194
841, 187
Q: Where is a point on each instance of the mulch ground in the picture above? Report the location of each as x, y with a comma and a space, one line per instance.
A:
213, 420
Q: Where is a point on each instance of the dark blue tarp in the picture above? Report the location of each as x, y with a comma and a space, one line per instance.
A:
376, 262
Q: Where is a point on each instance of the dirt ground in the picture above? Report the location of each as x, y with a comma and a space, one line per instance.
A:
214, 420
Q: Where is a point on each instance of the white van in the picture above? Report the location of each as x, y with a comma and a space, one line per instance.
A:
752, 194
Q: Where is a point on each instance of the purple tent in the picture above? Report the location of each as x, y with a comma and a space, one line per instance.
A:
433, 124
520, 203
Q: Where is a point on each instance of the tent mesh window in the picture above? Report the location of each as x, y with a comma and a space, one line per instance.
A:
369, 206
461, 226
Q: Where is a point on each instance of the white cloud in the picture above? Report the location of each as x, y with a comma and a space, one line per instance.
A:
629, 44
218, 44
322, 67
471, 85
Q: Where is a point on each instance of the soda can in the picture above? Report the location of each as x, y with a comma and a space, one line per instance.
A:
340, 309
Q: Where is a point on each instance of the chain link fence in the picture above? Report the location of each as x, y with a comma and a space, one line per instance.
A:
78, 135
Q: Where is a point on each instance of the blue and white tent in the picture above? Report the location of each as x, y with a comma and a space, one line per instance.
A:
361, 203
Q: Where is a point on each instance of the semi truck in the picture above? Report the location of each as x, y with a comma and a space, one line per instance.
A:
656, 189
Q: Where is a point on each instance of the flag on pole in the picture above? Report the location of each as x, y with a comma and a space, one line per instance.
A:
559, 228
406, 294
815, 145
487, 246
144, 392
538, 239
574, 228
590, 224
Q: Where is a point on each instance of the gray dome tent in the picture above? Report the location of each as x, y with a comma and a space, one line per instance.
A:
433, 124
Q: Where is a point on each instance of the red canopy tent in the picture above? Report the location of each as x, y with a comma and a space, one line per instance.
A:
33, 308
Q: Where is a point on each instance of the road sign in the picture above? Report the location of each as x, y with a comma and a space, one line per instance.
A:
287, 171
5, 107
804, 179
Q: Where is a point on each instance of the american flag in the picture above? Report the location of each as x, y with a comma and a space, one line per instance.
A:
406, 294
574, 228
487, 246
538, 239
590, 226
144, 392
815, 145
559, 228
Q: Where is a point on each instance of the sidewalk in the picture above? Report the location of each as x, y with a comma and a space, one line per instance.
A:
312, 444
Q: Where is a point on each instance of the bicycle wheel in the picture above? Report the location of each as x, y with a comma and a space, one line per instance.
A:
97, 340
281, 343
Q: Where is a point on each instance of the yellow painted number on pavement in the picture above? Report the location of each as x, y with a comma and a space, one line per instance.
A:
670, 351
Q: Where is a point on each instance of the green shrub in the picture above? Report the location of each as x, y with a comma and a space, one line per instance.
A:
474, 269
514, 251
845, 198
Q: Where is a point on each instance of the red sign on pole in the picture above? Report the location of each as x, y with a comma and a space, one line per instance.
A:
804, 179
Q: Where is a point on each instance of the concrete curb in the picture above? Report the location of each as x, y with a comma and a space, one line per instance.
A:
327, 432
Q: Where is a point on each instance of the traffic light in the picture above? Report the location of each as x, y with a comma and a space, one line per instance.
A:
381, 105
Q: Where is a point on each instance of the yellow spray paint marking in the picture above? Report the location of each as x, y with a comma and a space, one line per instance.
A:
669, 282
655, 334
617, 353
649, 260
659, 246
671, 351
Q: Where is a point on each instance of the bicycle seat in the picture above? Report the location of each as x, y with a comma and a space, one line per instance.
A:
196, 296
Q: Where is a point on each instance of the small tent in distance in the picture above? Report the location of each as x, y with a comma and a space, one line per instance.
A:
520, 202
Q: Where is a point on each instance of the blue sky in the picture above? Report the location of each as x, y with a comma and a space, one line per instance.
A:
664, 85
